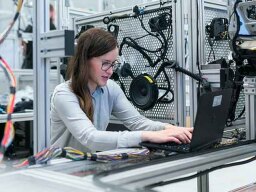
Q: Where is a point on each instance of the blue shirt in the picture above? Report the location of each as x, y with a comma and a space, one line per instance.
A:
71, 127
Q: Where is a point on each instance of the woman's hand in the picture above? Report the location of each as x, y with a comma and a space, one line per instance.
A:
170, 134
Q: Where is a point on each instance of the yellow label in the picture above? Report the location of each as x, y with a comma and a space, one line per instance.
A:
149, 79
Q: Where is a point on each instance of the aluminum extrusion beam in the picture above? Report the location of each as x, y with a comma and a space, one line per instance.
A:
167, 170
250, 106
57, 43
18, 117
41, 180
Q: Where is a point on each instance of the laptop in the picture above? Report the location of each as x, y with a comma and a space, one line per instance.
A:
212, 112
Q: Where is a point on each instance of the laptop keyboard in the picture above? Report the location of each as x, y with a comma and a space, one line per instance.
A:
169, 146
176, 147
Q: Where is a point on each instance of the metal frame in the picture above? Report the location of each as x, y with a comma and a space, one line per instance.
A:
56, 43
130, 178
41, 79
250, 103
180, 57
195, 49
198, 36
161, 171
63, 14
44, 180
47, 44
152, 173
17, 117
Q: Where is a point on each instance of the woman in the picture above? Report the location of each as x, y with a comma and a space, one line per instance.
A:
81, 107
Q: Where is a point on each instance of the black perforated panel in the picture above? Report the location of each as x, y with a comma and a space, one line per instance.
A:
131, 27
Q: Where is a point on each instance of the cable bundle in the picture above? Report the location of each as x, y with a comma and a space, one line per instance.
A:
68, 152
42, 157
120, 154
74, 154
9, 129
4, 34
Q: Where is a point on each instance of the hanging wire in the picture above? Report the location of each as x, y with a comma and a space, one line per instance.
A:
9, 129
5, 33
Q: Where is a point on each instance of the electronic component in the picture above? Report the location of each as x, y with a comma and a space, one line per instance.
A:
107, 20
242, 30
218, 29
159, 23
113, 29
144, 91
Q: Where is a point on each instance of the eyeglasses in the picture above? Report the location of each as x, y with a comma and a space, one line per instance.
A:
106, 65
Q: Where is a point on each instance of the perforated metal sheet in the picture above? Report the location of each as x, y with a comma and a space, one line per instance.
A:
131, 27
221, 48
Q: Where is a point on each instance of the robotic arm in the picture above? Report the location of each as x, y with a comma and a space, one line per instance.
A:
242, 33
242, 30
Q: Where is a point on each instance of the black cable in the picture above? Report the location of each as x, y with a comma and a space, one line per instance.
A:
168, 89
124, 90
188, 73
238, 77
140, 47
211, 43
160, 52
197, 48
132, 43
229, 122
200, 173
197, 44
136, 47
144, 28
241, 114
164, 42
141, 37
238, 27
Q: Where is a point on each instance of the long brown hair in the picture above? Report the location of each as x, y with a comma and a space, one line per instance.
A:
94, 42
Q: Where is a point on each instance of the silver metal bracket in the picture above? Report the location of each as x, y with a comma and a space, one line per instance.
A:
58, 43
250, 106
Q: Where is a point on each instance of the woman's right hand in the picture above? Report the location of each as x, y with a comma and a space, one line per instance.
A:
174, 134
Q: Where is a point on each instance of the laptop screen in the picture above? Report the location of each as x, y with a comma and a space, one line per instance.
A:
211, 118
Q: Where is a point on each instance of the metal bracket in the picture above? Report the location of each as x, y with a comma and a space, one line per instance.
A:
250, 103
250, 85
58, 43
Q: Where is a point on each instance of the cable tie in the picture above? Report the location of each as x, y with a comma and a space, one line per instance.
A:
63, 153
124, 155
94, 157
2, 149
9, 117
12, 90
16, 16
85, 156
31, 160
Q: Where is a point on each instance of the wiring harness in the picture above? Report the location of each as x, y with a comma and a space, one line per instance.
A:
9, 129
70, 153
5, 33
